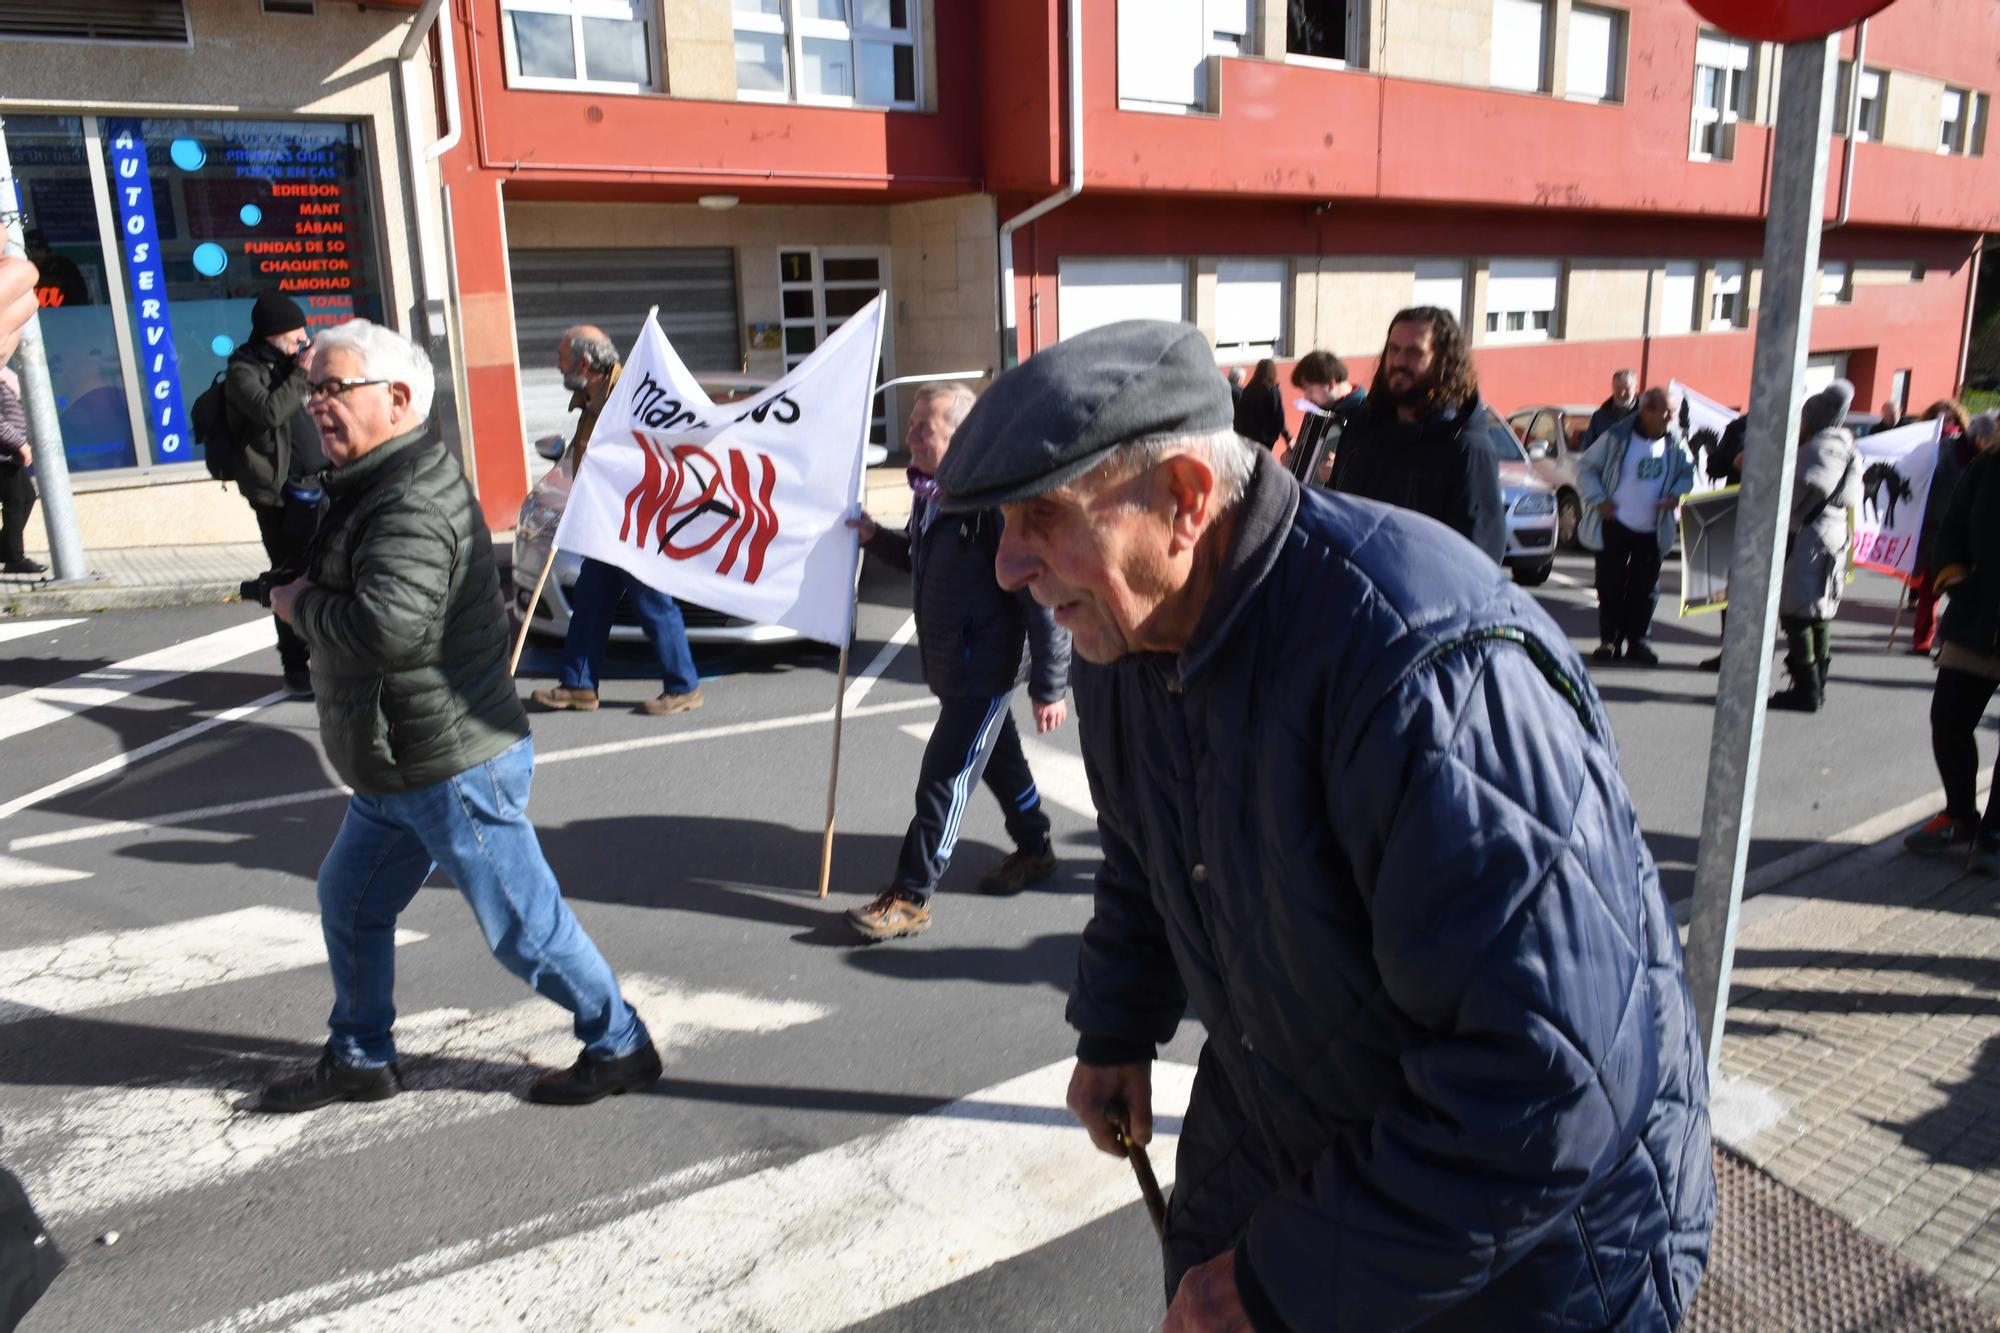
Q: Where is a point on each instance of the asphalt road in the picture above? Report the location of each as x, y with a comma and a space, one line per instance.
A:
847, 1137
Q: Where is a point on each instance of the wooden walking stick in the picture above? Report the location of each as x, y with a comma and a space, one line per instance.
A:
1142, 1167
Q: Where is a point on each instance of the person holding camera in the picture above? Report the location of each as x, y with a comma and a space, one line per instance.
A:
401, 608
280, 459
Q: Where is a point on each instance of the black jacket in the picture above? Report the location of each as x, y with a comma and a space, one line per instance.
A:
1969, 540
1608, 414
1370, 824
406, 625
1260, 413
1444, 466
970, 631
265, 393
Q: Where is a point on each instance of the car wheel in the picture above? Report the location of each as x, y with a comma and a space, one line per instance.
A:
1535, 575
1568, 511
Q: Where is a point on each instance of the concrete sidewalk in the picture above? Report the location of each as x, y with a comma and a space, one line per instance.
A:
138, 578
1861, 1063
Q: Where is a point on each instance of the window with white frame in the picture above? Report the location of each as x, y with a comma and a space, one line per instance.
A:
1520, 45
1975, 138
1250, 307
1678, 295
1836, 285
1955, 121
1164, 46
1334, 31
1868, 115
1521, 300
827, 52
1721, 96
1728, 295
1440, 282
602, 44
1596, 55
1094, 292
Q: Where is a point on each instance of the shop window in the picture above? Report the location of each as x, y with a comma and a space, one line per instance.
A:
1868, 115
1596, 55
1441, 283
1331, 30
1521, 300
1679, 294
827, 52
602, 44
1728, 296
1721, 96
1520, 45
1250, 307
118, 22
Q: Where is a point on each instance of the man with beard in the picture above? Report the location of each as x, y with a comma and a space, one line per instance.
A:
1360, 811
1622, 403
589, 364
1421, 440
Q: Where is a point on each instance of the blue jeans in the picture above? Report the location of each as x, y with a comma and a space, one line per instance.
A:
591, 603
476, 826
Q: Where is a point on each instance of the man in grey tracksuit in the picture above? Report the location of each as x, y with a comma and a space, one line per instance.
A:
971, 634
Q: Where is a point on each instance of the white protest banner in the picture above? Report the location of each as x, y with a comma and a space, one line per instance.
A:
1896, 470
737, 508
1699, 412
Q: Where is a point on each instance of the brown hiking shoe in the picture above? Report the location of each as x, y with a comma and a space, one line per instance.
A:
1019, 870
889, 917
563, 699
669, 704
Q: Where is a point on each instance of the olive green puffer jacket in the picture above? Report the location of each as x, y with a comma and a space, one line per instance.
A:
407, 628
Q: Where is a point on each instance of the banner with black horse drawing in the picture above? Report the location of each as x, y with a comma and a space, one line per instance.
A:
1896, 470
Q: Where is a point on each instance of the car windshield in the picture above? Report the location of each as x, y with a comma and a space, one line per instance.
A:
1501, 441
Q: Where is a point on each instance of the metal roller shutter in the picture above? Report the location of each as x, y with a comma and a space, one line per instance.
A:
553, 289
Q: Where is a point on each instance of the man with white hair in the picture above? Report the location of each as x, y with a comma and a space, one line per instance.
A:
401, 606
1360, 809
970, 634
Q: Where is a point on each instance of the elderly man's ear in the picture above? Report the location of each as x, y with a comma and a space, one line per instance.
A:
1188, 482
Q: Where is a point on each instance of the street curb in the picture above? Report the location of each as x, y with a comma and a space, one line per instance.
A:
61, 601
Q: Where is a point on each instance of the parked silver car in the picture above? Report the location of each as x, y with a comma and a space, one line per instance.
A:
1531, 508
1554, 438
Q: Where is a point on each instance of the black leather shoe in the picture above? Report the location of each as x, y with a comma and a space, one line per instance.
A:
328, 1082
299, 684
1641, 653
591, 1080
26, 566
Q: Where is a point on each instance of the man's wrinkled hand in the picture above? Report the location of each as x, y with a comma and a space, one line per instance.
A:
1050, 716
285, 596
1097, 1091
864, 525
1207, 1301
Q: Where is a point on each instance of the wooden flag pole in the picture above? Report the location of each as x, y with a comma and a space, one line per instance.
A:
535, 600
833, 774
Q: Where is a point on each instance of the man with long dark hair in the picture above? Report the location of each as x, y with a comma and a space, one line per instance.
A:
1421, 440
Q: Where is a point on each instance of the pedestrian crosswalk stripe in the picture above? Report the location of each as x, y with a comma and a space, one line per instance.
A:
91, 971
107, 1147
21, 629
16, 873
819, 1243
49, 704
1059, 775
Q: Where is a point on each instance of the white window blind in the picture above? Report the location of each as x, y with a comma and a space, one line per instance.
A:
1094, 292
1726, 297
1721, 94
1833, 284
1163, 53
1228, 28
1593, 54
1440, 282
1951, 122
1520, 36
1250, 305
1677, 297
1521, 299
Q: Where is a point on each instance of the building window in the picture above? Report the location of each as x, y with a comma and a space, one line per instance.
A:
1835, 283
1094, 292
1521, 299
114, 22
606, 44
1596, 55
1868, 118
1520, 45
1228, 27
1250, 308
1679, 295
827, 52
1163, 48
1721, 96
1330, 30
1962, 122
821, 289
1728, 300
1975, 139
1441, 283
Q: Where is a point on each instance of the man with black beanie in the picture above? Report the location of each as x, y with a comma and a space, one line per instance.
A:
280, 458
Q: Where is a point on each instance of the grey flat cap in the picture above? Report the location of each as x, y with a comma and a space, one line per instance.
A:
1827, 408
1063, 410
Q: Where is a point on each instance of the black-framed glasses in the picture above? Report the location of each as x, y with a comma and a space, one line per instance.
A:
337, 388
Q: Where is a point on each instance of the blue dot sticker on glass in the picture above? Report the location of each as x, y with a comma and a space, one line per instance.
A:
251, 215
210, 259
188, 154
221, 345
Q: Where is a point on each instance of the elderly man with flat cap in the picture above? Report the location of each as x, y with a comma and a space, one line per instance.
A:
1360, 805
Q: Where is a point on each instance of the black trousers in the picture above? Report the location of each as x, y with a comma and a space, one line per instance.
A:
1957, 704
974, 738
286, 532
1628, 584
17, 501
